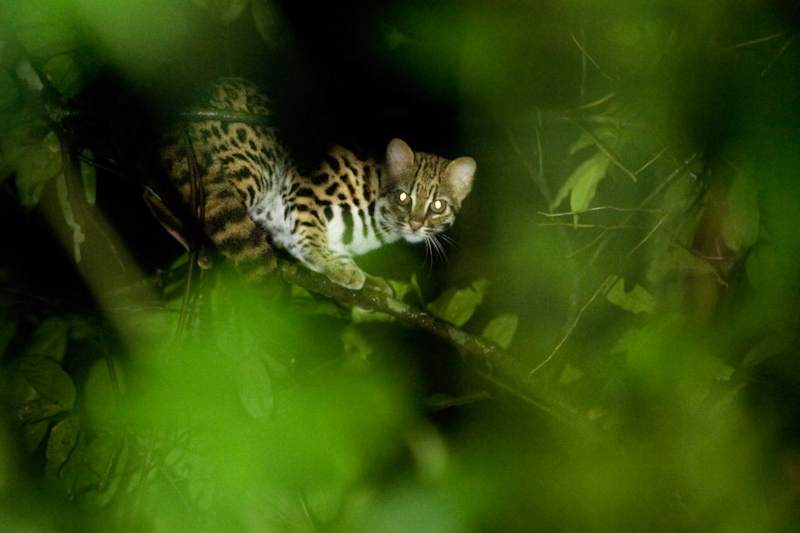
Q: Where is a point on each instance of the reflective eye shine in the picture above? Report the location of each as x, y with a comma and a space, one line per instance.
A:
437, 206
403, 197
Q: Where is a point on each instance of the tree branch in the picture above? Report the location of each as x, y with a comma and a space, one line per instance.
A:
483, 357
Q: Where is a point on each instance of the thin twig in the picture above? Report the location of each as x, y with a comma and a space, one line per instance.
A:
587, 56
598, 208
608, 152
586, 226
778, 55
197, 200
656, 158
574, 324
658, 224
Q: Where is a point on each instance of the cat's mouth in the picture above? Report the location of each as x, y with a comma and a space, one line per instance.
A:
416, 232
415, 236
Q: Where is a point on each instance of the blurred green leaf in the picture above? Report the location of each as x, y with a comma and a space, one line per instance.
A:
638, 300
569, 374
89, 177
740, 225
63, 437
50, 339
226, 10
138, 36
50, 382
501, 329
64, 73
33, 433
585, 140
266, 19
770, 346
66, 209
357, 349
457, 305
669, 260
40, 163
96, 469
255, 387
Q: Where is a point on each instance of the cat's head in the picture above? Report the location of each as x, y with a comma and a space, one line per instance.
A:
422, 193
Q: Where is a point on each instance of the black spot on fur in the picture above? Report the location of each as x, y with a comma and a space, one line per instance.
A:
242, 173
333, 163
347, 218
320, 179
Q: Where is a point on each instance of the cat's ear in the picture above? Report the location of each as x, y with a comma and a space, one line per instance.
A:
399, 157
461, 171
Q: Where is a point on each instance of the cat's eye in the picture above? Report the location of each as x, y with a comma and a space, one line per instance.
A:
403, 198
437, 206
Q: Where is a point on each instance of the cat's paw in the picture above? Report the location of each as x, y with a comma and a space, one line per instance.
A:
347, 275
378, 284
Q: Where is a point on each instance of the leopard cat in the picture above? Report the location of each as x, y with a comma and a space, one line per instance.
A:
254, 194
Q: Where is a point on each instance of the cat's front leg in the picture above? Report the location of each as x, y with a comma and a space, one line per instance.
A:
378, 284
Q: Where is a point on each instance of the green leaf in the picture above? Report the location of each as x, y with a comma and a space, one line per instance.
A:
266, 20
64, 73
669, 260
89, 177
457, 305
99, 468
569, 374
740, 225
66, 209
587, 176
582, 183
33, 433
357, 348
40, 163
50, 339
638, 300
769, 347
401, 289
52, 385
62, 439
501, 329
226, 10
585, 140
255, 387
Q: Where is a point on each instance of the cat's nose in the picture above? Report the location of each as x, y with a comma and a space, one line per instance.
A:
415, 225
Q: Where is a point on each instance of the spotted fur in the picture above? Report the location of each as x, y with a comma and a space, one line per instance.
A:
253, 193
